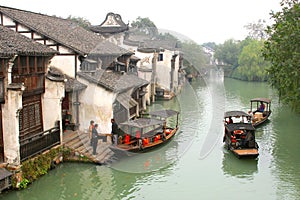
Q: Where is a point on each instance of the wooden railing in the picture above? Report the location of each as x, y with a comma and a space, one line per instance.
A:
38, 143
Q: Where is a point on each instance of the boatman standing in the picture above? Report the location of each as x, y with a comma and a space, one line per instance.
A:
114, 132
95, 139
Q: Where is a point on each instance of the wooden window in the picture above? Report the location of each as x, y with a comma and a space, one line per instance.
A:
40, 67
89, 65
32, 64
30, 117
22, 65
160, 57
30, 70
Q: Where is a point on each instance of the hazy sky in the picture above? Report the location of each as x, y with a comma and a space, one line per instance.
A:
202, 20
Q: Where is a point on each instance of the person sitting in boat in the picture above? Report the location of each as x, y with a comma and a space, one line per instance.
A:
261, 108
250, 118
230, 121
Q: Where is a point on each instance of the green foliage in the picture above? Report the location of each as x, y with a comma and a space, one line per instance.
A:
282, 49
252, 66
194, 54
211, 45
24, 183
167, 36
80, 21
145, 25
34, 168
228, 52
194, 57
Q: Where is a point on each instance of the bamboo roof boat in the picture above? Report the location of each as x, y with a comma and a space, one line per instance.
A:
239, 135
143, 134
260, 116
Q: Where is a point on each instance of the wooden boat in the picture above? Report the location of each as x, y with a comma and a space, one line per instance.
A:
258, 117
143, 134
239, 135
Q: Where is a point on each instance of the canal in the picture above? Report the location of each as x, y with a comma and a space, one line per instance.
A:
195, 164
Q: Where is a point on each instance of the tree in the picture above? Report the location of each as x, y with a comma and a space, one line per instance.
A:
80, 21
252, 66
257, 30
228, 52
194, 54
145, 25
211, 45
282, 49
167, 36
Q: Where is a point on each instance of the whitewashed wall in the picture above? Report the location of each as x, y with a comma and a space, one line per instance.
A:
96, 104
7, 21
65, 63
51, 103
10, 123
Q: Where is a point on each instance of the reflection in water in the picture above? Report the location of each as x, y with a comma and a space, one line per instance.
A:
240, 168
176, 170
149, 161
187, 104
286, 152
128, 185
216, 89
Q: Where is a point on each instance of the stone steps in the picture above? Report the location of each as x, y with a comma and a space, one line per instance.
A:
80, 143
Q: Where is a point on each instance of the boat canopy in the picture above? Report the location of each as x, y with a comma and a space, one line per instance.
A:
142, 122
265, 100
164, 113
235, 114
239, 126
143, 126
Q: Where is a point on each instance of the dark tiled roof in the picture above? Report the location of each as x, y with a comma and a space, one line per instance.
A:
55, 75
71, 84
165, 44
144, 41
111, 30
12, 43
63, 31
110, 49
114, 81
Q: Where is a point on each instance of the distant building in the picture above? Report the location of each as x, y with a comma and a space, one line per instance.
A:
161, 64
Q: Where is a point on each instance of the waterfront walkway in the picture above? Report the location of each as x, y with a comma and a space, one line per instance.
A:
80, 143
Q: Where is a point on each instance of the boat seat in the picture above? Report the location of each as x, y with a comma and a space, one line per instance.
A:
168, 131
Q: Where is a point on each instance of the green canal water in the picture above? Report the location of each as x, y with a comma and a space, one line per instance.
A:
195, 164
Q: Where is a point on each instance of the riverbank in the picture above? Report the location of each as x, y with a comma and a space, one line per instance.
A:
75, 148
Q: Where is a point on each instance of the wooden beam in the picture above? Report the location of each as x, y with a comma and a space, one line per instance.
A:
10, 26
24, 31
52, 45
38, 39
